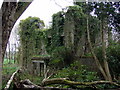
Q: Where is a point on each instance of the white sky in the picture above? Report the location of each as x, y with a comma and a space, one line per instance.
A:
44, 9
1, 1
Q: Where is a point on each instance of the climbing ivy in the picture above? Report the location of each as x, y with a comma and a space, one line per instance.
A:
79, 21
31, 34
94, 28
57, 28
55, 32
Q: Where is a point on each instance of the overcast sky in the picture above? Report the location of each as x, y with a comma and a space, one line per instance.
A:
44, 9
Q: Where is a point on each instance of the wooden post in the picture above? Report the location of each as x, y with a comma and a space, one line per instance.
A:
45, 70
40, 69
1, 61
37, 68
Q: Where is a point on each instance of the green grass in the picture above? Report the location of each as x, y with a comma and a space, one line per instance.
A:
7, 61
9, 67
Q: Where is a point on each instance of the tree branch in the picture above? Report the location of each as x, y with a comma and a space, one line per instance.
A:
67, 82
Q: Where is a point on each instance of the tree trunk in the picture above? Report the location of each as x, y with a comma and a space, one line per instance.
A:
8, 17
1, 49
92, 51
104, 53
11, 11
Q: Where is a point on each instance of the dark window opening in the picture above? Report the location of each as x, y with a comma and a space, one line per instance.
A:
36, 45
61, 40
49, 41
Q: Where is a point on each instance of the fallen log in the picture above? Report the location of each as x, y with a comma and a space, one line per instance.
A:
11, 79
71, 83
27, 84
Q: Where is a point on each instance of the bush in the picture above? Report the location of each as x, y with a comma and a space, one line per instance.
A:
113, 53
62, 56
76, 72
113, 57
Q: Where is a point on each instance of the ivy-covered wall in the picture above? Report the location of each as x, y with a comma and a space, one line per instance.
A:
69, 30
55, 34
67, 33
57, 28
32, 38
74, 29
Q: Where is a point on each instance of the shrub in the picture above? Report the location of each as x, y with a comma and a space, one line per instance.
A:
113, 57
113, 53
62, 56
76, 72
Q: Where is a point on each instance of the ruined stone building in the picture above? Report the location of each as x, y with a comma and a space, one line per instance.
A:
69, 30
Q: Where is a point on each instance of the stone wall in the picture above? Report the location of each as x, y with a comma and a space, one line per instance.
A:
73, 37
69, 29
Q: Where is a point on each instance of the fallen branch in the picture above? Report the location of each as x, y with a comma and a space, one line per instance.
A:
28, 84
11, 79
67, 82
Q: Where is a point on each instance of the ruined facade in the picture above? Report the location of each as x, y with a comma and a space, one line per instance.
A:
69, 30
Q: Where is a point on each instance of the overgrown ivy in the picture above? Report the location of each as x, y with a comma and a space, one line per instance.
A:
31, 34
57, 28
77, 17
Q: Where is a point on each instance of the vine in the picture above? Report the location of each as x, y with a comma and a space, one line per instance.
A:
31, 35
